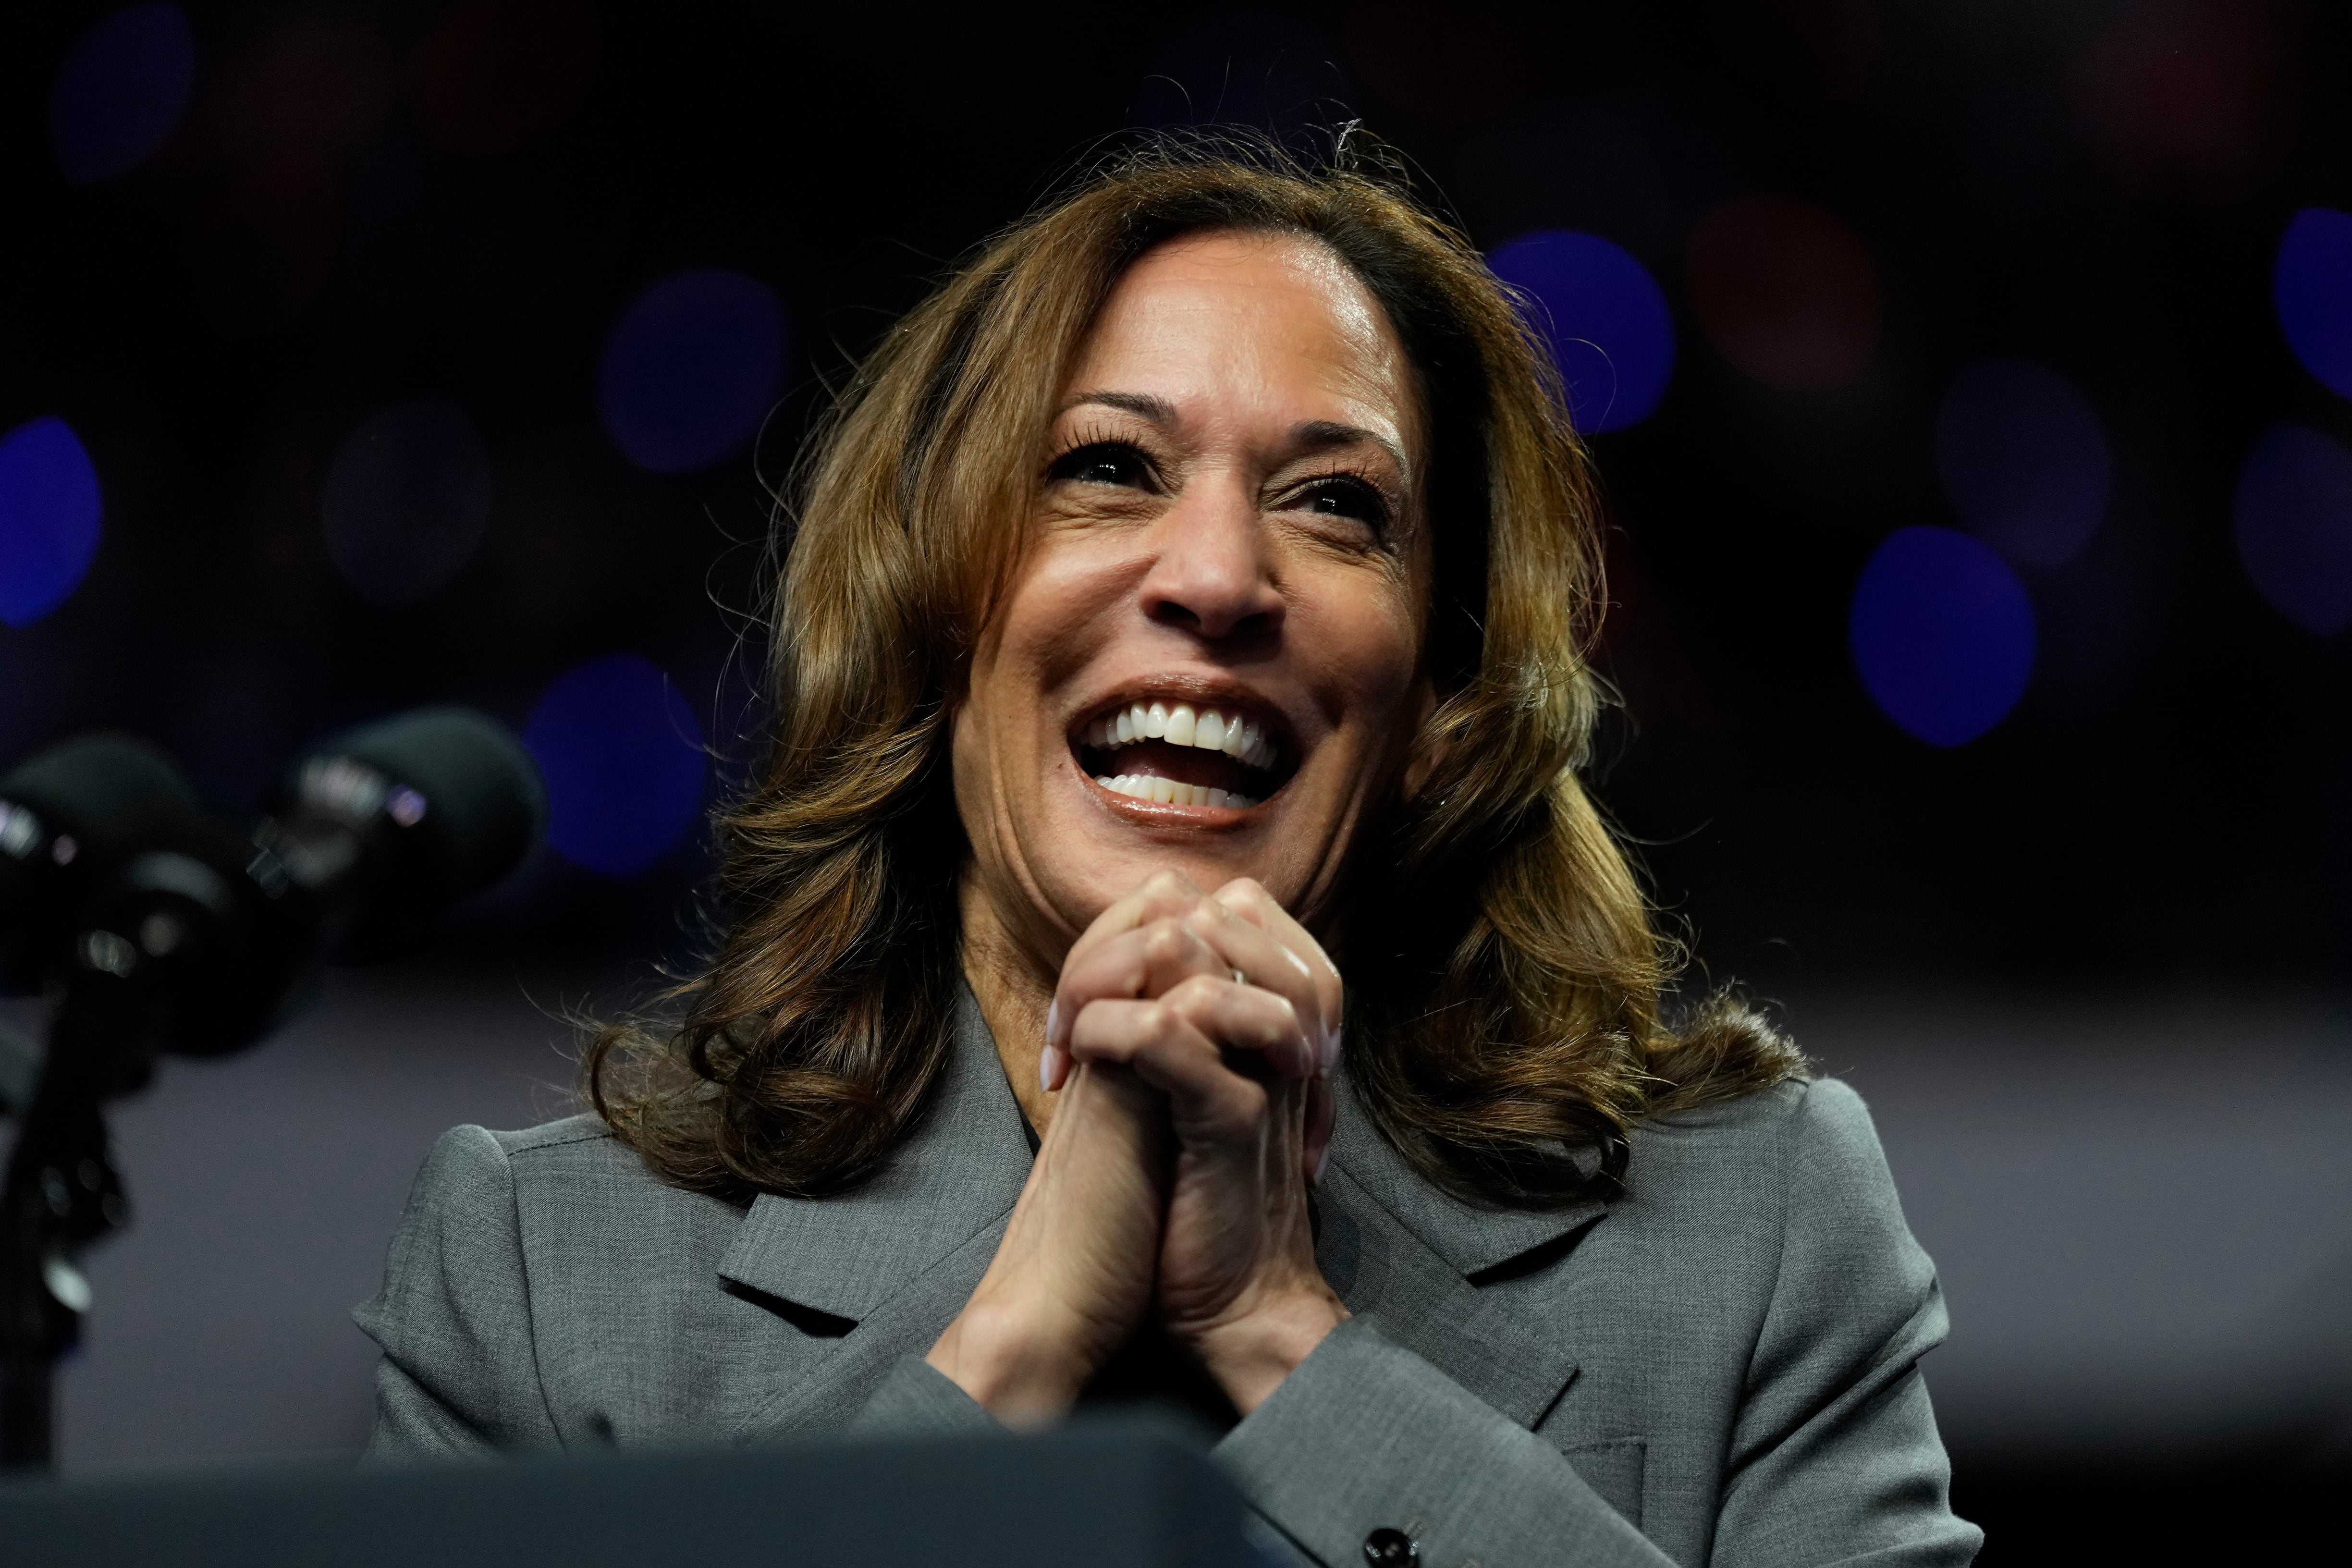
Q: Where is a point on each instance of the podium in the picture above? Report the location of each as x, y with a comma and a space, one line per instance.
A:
1100, 1496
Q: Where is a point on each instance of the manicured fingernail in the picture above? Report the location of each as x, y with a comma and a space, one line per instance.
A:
1330, 1049
1053, 1015
1047, 1061
1322, 1163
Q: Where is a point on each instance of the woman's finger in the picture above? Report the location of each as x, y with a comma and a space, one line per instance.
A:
1251, 904
1322, 1115
1179, 1042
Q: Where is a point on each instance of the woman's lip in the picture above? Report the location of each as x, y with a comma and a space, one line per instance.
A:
1168, 811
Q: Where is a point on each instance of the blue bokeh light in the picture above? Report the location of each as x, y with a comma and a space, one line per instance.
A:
120, 90
406, 500
1604, 319
2293, 513
623, 762
691, 369
1942, 634
2311, 285
49, 516
2024, 460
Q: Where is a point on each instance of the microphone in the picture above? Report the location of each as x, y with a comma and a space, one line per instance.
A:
68, 818
108, 867
159, 928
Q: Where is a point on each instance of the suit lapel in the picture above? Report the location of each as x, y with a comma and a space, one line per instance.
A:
1403, 1253
898, 1257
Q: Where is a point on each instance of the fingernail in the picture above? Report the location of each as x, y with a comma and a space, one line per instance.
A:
1045, 1065
1322, 1163
1330, 1049
1053, 1014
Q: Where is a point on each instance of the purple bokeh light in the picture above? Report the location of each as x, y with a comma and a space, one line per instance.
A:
51, 511
1602, 316
1942, 634
2024, 460
2293, 517
624, 761
120, 90
691, 368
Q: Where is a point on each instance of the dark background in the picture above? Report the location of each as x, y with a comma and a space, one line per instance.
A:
2135, 891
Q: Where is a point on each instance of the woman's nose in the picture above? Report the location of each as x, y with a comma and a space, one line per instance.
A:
1210, 576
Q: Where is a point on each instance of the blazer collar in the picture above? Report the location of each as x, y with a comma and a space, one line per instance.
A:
1470, 1239
957, 1174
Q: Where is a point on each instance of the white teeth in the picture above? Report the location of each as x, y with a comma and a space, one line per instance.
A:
1183, 725
1168, 792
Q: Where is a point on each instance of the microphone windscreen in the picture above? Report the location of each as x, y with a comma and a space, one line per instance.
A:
485, 805
101, 788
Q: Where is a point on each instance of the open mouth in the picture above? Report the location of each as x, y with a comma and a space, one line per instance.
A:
1178, 753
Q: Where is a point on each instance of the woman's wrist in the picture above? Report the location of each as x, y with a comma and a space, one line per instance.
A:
1010, 1365
1250, 1356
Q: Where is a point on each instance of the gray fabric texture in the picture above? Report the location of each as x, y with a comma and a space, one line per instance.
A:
1719, 1366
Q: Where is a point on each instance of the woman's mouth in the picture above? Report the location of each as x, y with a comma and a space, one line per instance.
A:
1178, 753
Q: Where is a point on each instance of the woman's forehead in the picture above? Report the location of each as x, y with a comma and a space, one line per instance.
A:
1278, 314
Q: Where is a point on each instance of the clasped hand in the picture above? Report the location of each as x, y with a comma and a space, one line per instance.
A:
1189, 1048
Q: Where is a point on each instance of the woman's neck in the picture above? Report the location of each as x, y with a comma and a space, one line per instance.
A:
1013, 990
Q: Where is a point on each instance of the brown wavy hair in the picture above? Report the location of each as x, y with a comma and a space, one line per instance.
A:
1503, 1024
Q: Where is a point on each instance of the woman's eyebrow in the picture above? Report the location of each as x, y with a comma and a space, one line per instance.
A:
1142, 404
1323, 435
1315, 436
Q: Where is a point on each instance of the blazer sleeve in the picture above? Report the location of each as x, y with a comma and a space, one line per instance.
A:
459, 1373
1834, 1456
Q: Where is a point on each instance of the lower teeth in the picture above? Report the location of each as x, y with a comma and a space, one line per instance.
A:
1168, 792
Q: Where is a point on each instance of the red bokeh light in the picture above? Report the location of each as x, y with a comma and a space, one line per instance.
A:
495, 75
1450, 64
2196, 100
1786, 291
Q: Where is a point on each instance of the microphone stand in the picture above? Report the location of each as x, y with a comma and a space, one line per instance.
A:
61, 1193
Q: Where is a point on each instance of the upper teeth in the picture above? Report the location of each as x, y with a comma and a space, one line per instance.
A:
1180, 725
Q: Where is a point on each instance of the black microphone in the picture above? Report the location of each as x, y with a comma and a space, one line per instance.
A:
68, 818
159, 928
109, 868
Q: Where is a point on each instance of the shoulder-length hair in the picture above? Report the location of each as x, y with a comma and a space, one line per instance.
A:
1505, 976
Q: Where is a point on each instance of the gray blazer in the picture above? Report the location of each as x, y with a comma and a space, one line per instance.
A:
1719, 1366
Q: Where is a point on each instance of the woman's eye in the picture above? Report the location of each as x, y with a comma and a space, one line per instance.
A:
1349, 499
1101, 463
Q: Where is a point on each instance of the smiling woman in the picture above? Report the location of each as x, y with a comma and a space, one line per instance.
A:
1170, 954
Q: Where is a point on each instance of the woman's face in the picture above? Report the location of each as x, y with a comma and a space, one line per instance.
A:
1209, 659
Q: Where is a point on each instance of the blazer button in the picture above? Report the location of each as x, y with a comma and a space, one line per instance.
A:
1386, 1548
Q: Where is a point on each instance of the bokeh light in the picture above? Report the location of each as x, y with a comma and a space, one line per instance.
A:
407, 498
2293, 513
691, 369
1256, 69
494, 75
1786, 291
1942, 634
1604, 317
1814, 52
120, 90
2311, 287
2024, 460
1451, 63
49, 515
2197, 100
624, 764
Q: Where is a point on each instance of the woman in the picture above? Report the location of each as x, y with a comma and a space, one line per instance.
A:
1186, 610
